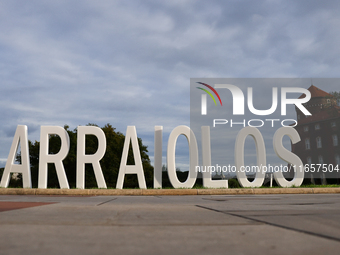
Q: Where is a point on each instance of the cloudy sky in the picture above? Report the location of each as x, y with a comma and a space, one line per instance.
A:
130, 62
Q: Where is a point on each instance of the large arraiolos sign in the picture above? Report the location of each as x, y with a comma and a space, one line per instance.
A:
131, 138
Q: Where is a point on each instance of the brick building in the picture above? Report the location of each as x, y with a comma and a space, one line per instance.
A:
320, 134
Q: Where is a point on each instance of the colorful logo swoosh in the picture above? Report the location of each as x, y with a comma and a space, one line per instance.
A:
213, 90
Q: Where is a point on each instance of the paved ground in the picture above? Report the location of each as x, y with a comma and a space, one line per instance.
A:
255, 224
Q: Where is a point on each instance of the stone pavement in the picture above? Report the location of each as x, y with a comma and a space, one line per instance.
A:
224, 224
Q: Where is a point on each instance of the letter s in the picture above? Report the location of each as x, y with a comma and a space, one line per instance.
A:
287, 156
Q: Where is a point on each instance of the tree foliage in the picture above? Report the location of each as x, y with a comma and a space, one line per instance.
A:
109, 163
335, 94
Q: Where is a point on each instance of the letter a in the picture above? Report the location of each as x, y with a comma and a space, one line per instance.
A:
131, 134
24, 168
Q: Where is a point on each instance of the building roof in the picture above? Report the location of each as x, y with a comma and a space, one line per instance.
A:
330, 113
316, 92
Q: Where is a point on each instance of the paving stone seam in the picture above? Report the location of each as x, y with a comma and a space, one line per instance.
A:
286, 227
273, 224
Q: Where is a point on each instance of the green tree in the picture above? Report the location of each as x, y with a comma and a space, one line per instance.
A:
336, 94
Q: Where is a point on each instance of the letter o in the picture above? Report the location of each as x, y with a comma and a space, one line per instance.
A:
193, 152
261, 121
283, 125
239, 156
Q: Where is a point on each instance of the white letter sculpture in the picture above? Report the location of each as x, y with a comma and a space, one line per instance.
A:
24, 168
94, 159
57, 159
193, 151
157, 171
131, 134
239, 157
206, 160
288, 156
